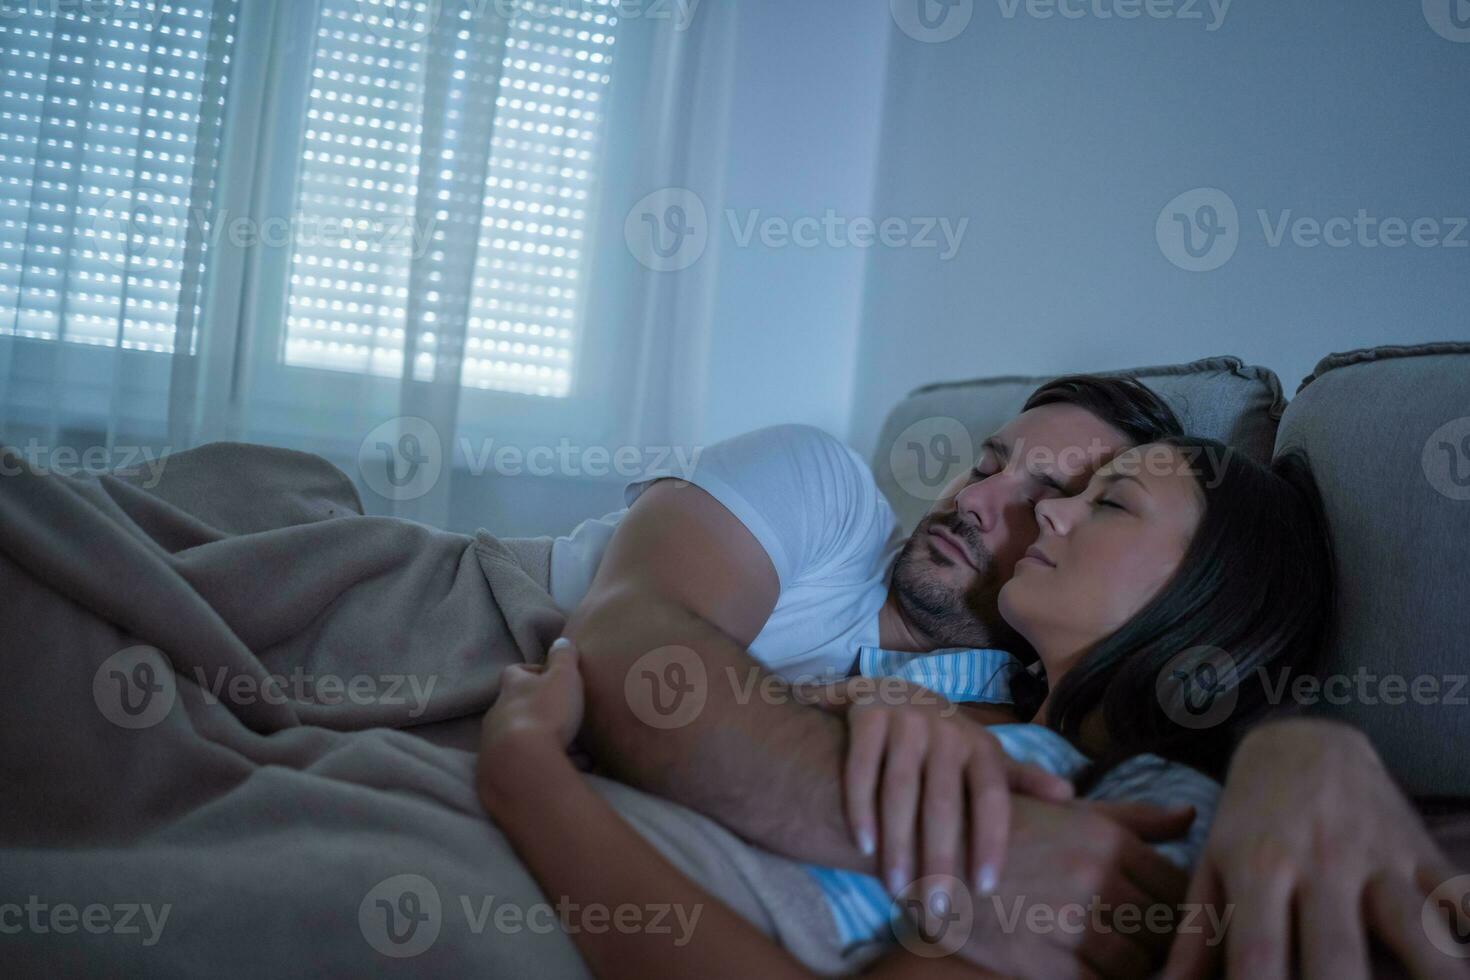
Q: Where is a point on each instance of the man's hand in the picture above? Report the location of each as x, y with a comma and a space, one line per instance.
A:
1313, 834
912, 775
1079, 856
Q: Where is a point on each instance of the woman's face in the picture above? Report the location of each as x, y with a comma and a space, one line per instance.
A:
1103, 554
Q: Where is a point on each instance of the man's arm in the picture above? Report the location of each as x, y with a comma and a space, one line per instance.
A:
1313, 837
682, 572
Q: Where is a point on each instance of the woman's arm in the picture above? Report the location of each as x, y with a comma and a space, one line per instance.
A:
578, 847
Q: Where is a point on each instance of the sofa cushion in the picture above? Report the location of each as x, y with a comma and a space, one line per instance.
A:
933, 434
1387, 433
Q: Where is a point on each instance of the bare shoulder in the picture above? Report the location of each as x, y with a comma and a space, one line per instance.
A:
679, 544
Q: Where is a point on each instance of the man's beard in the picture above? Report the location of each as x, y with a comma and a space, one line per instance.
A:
947, 615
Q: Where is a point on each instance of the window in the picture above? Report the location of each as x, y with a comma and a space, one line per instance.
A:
394, 159
109, 133
313, 200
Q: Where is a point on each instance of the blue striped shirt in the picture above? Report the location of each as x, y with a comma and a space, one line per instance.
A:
862, 908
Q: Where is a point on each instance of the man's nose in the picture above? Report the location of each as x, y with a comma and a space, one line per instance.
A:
984, 502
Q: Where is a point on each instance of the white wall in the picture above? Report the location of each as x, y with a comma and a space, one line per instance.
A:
1062, 139
804, 138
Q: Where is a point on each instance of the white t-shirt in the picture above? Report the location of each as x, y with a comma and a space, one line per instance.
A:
814, 507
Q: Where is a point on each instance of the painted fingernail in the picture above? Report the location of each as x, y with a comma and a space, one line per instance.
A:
560, 643
985, 879
897, 880
939, 899
866, 843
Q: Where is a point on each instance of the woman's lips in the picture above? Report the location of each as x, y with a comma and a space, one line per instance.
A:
946, 541
1035, 554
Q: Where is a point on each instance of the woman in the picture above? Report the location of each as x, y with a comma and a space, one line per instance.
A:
1158, 602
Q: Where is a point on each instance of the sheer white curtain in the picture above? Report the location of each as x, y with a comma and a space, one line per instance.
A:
388, 231
683, 143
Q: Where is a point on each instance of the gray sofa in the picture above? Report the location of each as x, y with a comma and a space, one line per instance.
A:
1387, 433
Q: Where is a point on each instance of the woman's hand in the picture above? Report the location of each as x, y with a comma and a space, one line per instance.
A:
916, 771
536, 701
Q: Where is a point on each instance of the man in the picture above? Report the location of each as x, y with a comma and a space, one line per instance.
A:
783, 557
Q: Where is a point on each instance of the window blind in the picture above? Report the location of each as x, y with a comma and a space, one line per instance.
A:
109, 129
372, 201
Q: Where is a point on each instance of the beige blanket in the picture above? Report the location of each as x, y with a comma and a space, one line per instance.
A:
238, 731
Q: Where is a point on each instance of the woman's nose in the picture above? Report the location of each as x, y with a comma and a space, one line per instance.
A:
1053, 514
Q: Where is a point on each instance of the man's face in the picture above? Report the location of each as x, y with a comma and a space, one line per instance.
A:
952, 568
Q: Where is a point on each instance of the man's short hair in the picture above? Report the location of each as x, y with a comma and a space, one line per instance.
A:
1123, 403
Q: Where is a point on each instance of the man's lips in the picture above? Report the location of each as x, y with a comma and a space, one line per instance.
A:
949, 543
1037, 555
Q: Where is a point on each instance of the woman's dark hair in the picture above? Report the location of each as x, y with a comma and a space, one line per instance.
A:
1248, 607
1123, 403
